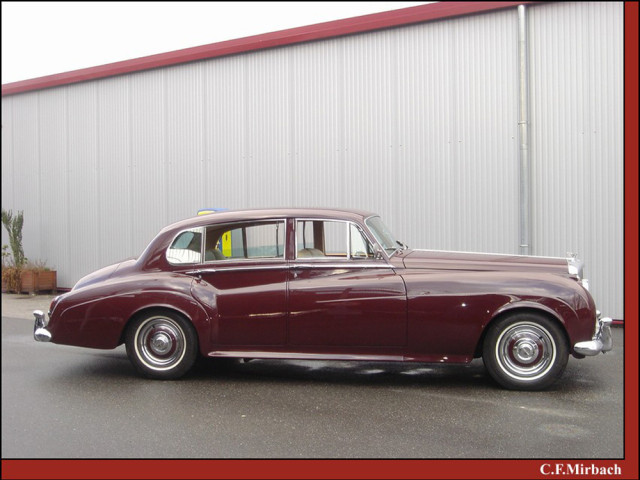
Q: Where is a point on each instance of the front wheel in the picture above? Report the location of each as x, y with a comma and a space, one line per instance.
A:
161, 344
525, 351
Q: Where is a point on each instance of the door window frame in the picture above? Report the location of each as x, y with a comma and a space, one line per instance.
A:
348, 258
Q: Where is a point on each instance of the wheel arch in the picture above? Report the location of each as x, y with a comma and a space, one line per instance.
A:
534, 309
148, 309
161, 343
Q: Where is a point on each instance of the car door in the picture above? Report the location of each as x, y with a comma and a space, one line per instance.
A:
242, 282
340, 295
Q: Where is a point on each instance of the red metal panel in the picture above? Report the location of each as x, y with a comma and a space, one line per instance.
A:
364, 23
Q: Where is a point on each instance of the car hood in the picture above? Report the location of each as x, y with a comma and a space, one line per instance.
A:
441, 260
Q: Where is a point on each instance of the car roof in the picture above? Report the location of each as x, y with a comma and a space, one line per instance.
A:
266, 213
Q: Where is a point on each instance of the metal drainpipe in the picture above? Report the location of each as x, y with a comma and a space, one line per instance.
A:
523, 128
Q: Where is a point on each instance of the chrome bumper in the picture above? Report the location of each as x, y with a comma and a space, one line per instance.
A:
40, 332
601, 341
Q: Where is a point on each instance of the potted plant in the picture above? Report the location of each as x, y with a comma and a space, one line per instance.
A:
10, 273
37, 277
18, 274
13, 262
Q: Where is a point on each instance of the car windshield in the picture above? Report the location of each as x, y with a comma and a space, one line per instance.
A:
383, 235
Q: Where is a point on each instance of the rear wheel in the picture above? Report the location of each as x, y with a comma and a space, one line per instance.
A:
525, 351
161, 344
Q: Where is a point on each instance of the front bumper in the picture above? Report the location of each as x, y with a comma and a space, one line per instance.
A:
40, 332
601, 342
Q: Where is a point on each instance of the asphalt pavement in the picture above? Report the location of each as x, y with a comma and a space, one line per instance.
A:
69, 402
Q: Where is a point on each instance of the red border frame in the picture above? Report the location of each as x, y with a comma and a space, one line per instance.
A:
364, 23
631, 235
445, 469
304, 469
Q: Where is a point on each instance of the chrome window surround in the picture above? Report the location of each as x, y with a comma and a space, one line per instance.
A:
315, 261
348, 237
194, 229
283, 221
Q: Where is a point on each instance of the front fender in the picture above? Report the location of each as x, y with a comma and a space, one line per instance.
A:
449, 311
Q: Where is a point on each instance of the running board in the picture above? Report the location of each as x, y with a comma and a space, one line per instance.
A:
305, 356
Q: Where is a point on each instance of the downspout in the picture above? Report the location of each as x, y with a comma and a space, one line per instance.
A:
523, 131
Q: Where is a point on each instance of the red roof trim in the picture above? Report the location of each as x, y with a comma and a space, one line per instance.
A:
364, 23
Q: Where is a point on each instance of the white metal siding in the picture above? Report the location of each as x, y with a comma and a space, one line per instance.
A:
54, 230
150, 195
26, 178
419, 123
577, 140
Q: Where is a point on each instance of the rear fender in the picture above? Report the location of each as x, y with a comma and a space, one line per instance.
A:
96, 316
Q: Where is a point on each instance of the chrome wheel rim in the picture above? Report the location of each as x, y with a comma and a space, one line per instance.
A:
525, 351
160, 343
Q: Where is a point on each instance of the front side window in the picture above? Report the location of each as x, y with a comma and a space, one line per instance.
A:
359, 245
245, 241
331, 239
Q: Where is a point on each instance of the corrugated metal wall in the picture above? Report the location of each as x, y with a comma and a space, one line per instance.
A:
577, 140
419, 123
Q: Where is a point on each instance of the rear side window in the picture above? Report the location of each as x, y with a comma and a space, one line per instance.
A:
186, 247
253, 240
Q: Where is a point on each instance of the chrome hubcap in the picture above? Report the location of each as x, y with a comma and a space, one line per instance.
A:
525, 351
160, 343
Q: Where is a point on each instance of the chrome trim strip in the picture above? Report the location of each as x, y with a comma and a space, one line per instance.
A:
200, 271
351, 265
302, 356
486, 253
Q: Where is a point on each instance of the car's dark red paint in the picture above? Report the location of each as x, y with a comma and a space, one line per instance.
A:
385, 303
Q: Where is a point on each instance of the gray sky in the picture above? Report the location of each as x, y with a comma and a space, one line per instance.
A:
44, 38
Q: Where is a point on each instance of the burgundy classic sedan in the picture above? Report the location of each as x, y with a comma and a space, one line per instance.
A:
328, 285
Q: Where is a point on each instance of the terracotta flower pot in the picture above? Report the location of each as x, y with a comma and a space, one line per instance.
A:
35, 281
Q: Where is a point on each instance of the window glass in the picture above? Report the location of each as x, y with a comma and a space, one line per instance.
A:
306, 240
333, 239
248, 240
310, 239
186, 247
360, 246
266, 240
382, 233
